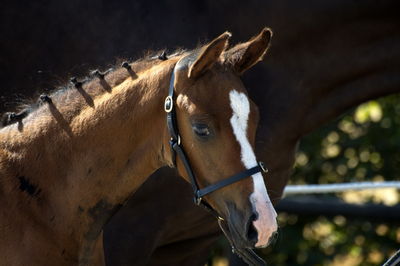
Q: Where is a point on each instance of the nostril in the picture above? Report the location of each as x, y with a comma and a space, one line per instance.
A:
254, 217
252, 234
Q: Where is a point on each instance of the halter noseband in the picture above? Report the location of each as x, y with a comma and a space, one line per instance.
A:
177, 149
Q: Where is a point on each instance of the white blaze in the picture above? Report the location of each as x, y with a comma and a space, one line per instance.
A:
266, 222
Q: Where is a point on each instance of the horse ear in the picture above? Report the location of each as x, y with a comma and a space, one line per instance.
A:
245, 55
208, 55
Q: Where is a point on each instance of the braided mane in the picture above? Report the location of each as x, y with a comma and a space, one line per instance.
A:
81, 91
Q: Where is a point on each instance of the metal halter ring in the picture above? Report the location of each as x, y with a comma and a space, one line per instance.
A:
197, 200
262, 166
168, 104
178, 140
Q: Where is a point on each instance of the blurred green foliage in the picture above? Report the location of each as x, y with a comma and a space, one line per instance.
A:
361, 145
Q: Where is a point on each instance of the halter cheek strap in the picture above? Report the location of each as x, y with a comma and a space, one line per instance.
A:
246, 254
177, 150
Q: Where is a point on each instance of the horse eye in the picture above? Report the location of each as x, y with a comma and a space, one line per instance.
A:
201, 130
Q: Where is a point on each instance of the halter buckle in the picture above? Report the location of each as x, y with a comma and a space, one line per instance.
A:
168, 104
197, 200
263, 168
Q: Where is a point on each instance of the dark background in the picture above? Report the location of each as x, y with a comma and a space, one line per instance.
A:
43, 43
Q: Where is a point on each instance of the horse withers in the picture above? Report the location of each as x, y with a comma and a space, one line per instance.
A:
73, 159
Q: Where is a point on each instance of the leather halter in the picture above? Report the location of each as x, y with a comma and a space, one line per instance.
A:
177, 149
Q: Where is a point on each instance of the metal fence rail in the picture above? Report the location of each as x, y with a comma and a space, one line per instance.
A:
340, 187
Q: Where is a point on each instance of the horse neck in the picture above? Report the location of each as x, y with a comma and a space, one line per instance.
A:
82, 168
332, 97
318, 71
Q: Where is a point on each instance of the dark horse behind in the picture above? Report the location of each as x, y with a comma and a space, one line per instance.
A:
325, 58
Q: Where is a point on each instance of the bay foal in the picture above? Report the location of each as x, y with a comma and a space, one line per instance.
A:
67, 164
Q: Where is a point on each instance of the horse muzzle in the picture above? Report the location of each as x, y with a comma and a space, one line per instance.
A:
252, 229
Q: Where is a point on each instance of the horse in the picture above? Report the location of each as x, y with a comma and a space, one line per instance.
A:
326, 58
70, 161
316, 70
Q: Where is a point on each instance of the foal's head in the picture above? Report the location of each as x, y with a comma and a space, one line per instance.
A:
217, 125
